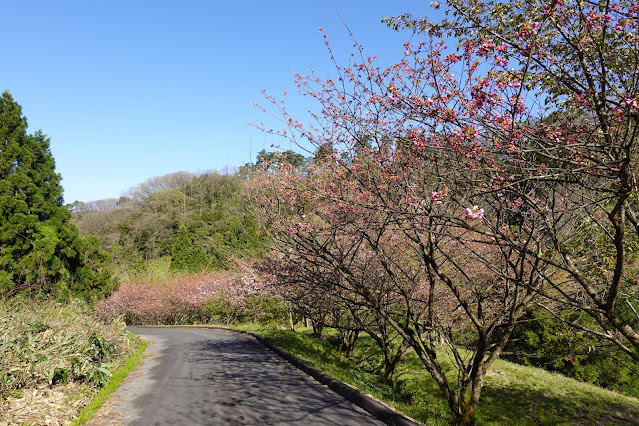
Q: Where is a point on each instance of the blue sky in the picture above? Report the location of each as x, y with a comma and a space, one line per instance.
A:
129, 90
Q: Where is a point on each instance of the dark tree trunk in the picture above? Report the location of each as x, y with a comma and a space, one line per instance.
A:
349, 338
391, 363
318, 328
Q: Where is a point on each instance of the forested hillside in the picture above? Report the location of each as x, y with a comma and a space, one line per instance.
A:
198, 221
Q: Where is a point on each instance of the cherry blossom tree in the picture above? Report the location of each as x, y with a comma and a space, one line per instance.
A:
317, 291
453, 189
565, 192
446, 291
187, 297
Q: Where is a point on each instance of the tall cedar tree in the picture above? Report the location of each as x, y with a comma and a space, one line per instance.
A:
40, 250
187, 255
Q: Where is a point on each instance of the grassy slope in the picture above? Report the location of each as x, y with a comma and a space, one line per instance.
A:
512, 394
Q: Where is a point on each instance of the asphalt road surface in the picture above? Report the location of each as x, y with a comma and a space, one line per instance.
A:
210, 377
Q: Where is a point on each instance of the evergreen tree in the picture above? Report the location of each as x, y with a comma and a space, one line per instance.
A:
40, 250
187, 255
270, 160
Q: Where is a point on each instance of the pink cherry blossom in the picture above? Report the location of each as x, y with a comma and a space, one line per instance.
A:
437, 197
474, 213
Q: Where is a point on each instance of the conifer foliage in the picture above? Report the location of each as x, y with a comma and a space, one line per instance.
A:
187, 255
40, 251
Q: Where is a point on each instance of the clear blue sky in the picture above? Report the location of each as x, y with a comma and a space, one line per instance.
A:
129, 90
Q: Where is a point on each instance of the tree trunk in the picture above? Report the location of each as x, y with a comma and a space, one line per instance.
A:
465, 418
318, 327
465, 413
290, 321
349, 338
393, 362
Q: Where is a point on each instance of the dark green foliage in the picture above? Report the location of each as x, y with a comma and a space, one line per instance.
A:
544, 341
94, 277
270, 160
40, 251
239, 233
186, 254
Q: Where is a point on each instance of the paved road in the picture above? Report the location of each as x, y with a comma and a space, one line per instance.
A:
210, 377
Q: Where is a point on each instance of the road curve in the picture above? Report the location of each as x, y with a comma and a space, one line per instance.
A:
212, 377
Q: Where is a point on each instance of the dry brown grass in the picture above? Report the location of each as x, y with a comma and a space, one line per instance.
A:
46, 405
54, 357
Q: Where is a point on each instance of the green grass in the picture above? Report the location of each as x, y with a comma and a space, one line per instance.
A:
512, 394
114, 382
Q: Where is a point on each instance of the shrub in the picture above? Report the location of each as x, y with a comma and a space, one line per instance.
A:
217, 296
544, 341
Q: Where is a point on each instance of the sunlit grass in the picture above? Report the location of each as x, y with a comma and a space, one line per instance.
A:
512, 394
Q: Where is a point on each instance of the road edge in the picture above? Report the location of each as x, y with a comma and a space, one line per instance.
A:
115, 381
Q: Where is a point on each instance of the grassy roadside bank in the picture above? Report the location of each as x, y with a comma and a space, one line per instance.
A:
114, 383
55, 358
512, 395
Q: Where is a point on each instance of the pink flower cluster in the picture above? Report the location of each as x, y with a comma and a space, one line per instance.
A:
527, 30
633, 102
474, 213
437, 197
181, 297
